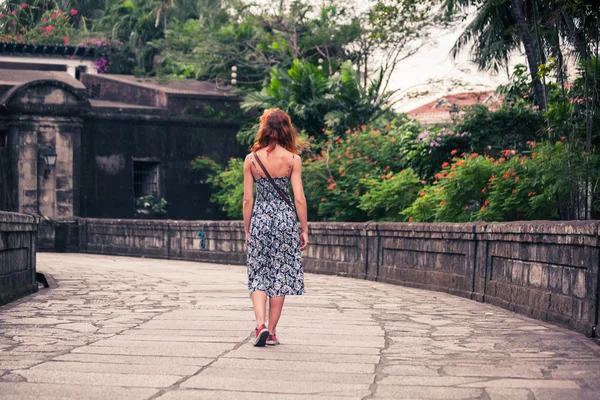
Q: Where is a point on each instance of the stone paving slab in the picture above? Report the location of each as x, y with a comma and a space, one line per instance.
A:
131, 328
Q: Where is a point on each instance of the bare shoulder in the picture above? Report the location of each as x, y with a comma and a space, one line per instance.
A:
296, 162
248, 160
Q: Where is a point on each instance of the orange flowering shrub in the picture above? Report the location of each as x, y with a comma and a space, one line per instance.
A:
516, 187
363, 175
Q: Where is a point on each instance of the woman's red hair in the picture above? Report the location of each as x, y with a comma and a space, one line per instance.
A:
276, 129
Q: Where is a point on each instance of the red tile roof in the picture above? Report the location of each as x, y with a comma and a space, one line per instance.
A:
461, 100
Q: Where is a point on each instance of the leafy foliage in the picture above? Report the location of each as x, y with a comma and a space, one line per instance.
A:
254, 41
511, 126
513, 187
150, 206
228, 183
315, 100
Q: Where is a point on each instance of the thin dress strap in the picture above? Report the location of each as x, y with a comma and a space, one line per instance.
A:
290, 166
257, 170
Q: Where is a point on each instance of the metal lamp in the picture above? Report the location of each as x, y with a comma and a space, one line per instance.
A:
50, 161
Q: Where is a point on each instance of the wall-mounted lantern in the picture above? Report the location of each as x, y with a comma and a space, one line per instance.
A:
50, 161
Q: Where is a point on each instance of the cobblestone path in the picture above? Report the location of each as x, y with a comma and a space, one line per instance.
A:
129, 328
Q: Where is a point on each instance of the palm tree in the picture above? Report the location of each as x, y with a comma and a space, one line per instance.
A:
532, 60
498, 29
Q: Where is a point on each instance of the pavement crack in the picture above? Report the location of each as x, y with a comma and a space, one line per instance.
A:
177, 384
379, 374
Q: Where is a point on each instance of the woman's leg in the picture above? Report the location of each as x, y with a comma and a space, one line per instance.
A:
275, 307
259, 301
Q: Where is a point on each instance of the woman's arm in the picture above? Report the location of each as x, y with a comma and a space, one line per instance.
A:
300, 200
248, 195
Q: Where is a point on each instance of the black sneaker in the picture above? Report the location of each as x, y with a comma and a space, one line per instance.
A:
261, 335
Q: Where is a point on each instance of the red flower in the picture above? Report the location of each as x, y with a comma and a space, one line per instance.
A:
445, 165
73, 13
422, 193
442, 203
24, 5
486, 202
453, 152
66, 40
410, 219
49, 28
1, 15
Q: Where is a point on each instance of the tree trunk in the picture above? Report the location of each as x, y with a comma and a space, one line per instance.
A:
538, 89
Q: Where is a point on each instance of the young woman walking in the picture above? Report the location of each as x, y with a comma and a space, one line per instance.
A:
274, 242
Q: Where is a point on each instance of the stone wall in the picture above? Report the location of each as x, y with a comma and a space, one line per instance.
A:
17, 256
546, 270
110, 145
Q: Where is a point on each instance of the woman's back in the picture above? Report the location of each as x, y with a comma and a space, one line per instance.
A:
277, 162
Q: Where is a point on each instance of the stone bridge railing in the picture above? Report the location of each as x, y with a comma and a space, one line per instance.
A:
545, 270
17, 256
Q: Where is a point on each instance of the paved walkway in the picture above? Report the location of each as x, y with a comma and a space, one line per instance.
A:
127, 328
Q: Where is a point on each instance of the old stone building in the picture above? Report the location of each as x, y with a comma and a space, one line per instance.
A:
90, 146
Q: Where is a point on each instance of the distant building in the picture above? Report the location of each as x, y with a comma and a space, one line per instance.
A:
440, 111
44, 57
90, 146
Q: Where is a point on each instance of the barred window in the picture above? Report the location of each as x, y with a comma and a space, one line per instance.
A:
145, 178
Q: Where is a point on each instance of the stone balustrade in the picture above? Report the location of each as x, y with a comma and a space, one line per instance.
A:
545, 270
17, 256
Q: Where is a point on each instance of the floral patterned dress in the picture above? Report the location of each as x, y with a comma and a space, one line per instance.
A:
274, 259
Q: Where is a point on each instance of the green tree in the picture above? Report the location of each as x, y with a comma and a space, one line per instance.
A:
315, 100
255, 41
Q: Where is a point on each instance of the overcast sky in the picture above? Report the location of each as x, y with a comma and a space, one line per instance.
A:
432, 72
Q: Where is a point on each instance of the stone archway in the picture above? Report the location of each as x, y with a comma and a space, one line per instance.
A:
45, 96
44, 116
